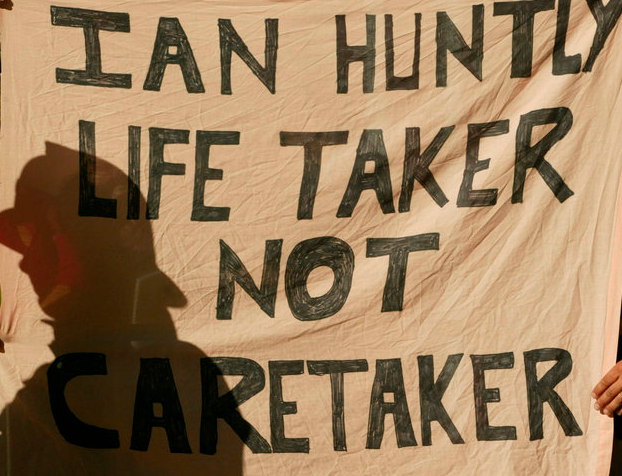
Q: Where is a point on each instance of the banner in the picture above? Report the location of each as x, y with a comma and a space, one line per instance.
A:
313, 237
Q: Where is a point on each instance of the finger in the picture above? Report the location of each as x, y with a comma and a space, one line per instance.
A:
619, 412
609, 378
608, 395
613, 405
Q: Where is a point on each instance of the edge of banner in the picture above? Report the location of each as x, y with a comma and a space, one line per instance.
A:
612, 327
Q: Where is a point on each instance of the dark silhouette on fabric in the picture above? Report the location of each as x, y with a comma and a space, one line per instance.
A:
124, 396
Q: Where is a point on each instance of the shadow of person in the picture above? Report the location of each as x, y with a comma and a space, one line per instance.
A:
124, 395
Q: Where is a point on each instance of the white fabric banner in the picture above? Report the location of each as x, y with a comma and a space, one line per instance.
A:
313, 237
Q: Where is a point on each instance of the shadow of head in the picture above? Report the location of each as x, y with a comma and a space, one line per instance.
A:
98, 281
101, 267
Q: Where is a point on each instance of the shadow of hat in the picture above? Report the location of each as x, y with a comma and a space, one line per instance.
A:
50, 184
